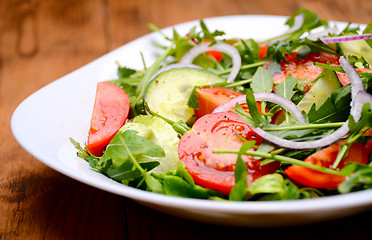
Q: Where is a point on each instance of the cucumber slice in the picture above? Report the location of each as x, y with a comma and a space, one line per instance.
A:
168, 93
161, 133
320, 91
358, 48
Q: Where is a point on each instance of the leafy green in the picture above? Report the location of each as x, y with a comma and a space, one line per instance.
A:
248, 50
274, 187
262, 81
137, 145
356, 130
361, 178
335, 109
181, 184
240, 173
258, 119
285, 89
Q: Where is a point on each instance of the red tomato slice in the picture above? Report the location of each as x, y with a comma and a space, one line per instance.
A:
304, 68
212, 97
111, 109
344, 79
216, 171
216, 54
325, 158
263, 51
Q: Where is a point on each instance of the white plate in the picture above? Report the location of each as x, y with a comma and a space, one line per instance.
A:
45, 121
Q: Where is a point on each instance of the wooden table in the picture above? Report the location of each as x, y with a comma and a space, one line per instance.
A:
41, 41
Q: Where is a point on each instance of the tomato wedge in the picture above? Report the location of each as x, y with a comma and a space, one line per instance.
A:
111, 109
304, 68
216, 171
212, 97
344, 79
325, 158
263, 51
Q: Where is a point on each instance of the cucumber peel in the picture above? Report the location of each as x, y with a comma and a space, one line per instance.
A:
168, 93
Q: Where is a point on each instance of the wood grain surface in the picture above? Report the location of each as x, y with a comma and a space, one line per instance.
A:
41, 41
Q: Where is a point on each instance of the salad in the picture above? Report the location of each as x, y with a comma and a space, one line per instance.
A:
241, 119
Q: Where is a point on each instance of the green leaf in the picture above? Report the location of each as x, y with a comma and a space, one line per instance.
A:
262, 81
285, 89
137, 145
153, 184
124, 72
127, 171
334, 109
311, 20
271, 183
177, 186
361, 177
252, 106
240, 173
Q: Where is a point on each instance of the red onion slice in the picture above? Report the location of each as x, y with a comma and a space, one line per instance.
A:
355, 79
222, 47
325, 141
172, 66
345, 38
264, 96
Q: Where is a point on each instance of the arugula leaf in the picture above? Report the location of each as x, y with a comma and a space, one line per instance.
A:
335, 109
249, 50
240, 173
271, 183
252, 106
124, 72
181, 184
361, 177
356, 130
126, 172
262, 81
207, 35
137, 145
285, 89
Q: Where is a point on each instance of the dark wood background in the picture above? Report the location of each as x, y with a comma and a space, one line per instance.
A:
41, 41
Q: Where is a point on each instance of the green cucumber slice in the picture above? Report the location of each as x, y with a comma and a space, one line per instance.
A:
167, 94
359, 48
320, 91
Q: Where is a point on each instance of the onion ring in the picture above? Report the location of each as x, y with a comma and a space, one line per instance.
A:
264, 96
222, 47
345, 38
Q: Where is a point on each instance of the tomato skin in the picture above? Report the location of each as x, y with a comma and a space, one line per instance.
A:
344, 79
110, 111
263, 51
326, 157
216, 54
216, 171
212, 97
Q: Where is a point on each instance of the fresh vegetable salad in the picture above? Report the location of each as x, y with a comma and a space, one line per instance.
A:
241, 119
